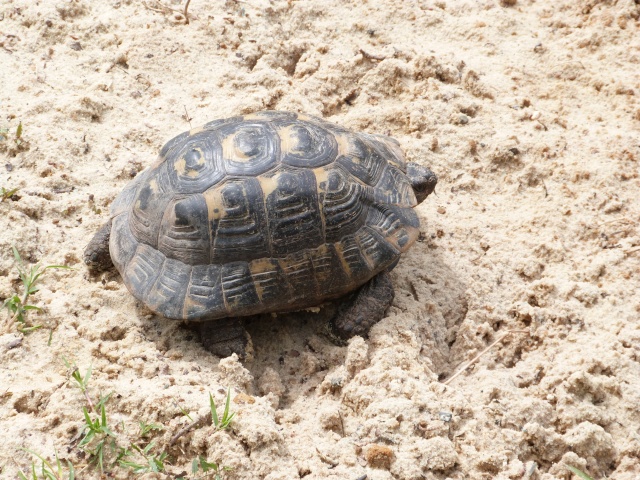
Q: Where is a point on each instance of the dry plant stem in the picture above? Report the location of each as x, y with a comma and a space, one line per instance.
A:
154, 9
91, 405
372, 56
326, 459
197, 422
161, 9
477, 357
165, 9
186, 17
633, 249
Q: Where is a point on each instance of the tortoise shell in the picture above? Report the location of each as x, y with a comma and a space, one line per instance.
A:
268, 212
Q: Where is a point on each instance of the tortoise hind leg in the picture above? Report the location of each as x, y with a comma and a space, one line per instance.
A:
96, 254
222, 337
362, 309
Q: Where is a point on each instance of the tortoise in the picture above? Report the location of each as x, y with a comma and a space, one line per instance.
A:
268, 212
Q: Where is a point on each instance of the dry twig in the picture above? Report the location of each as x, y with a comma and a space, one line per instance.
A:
161, 8
186, 16
198, 422
477, 357
326, 459
164, 8
372, 56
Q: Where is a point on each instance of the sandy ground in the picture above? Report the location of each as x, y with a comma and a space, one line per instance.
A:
527, 110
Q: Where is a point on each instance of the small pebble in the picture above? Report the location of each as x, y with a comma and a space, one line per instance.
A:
445, 416
16, 342
243, 398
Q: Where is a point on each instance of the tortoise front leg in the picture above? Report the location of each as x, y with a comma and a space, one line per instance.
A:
222, 337
363, 309
96, 254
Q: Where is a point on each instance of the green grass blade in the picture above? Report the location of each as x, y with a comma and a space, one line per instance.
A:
37, 455
184, 412
31, 307
146, 449
63, 267
87, 417
87, 376
231, 417
87, 439
225, 415
214, 412
29, 329
577, 472
100, 452
104, 400
58, 464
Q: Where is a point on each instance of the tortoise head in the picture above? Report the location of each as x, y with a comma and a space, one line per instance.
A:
422, 180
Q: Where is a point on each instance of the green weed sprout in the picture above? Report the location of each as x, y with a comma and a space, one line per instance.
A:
83, 382
146, 428
80, 380
17, 305
225, 421
13, 142
6, 193
183, 410
154, 462
4, 134
46, 470
218, 423
203, 464
97, 429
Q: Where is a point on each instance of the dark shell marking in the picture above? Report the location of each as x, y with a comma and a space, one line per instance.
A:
269, 212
